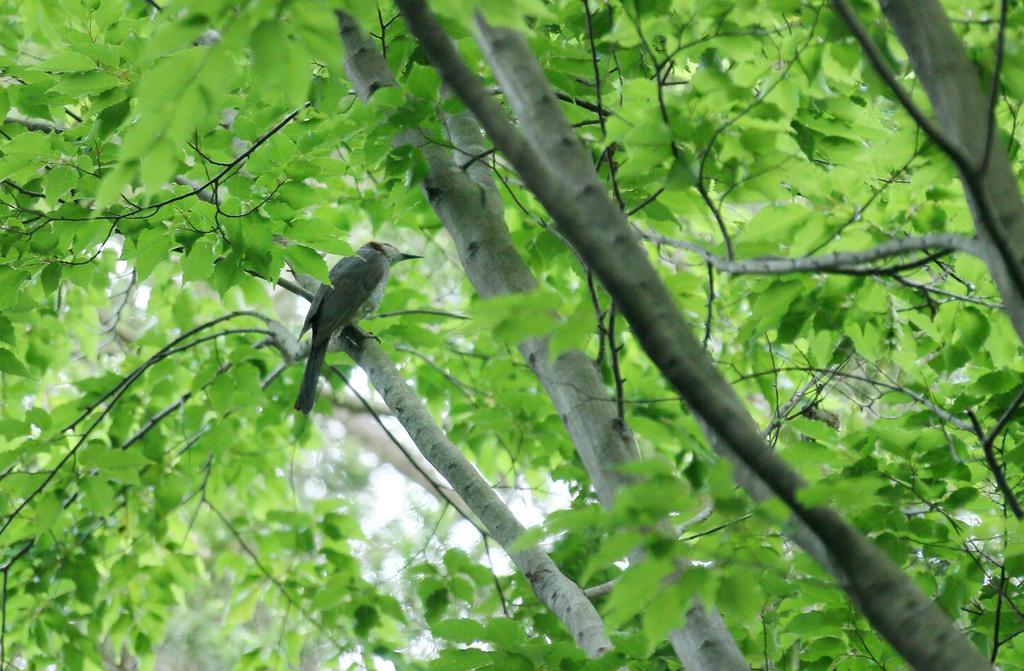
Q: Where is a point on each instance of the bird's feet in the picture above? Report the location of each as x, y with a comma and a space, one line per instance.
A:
356, 334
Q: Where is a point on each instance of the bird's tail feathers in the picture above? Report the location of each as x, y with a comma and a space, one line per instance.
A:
310, 377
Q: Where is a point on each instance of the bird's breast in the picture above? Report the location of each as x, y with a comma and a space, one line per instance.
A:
373, 302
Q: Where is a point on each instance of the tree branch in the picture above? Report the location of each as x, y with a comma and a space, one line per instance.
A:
565, 599
558, 592
409, 466
836, 262
988, 447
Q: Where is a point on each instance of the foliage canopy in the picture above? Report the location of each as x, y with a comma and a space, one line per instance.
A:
163, 164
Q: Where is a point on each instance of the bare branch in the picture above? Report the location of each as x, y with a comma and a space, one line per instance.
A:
988, 446
552, 587
837, 262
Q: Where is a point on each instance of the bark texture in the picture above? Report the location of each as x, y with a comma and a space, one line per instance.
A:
601, 234
564, 597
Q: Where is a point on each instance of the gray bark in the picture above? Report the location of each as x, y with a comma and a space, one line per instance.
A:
564, 597
363, 427
705, 641
468, 204
472, 213
462, 192
915, 626
837, 262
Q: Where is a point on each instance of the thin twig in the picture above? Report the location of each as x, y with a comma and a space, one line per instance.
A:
993, 94
846, 263
273, 579
987, 445
614, 349
874, 55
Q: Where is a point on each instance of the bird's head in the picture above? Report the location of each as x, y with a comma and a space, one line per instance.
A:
393, 255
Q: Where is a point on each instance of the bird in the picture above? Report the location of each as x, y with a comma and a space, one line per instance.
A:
356, 289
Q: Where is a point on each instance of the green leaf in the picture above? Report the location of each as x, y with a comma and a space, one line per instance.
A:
158, 165
47, 510
459, 630
503, 316
10, 364
424, 82
198, 264
50, 277
460, 660
973, 327
576, 331
151, 248
740, 595
83, 84
282, 70
773, 303
22, 151
665, 612
613, 548
243, 610
305, 260
58, 181
114, 182
637, 586
106, 458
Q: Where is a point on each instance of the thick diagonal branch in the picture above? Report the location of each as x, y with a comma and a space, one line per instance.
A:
564, 597
468, 204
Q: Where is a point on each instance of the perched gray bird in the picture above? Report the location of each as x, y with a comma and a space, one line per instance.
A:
356, 289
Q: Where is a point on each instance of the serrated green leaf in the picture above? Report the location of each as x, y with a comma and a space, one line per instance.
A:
151, 248
198, 263
305, 260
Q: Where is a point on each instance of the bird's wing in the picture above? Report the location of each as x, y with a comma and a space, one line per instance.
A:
314, 306
353, 280
342, 267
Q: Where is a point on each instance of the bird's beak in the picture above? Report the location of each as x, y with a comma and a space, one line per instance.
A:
406, 257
